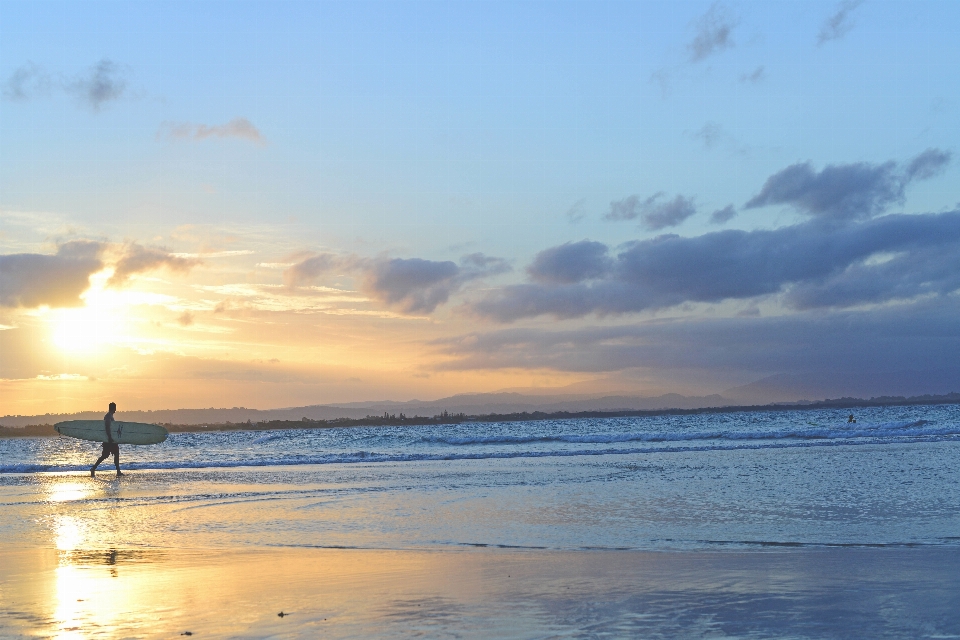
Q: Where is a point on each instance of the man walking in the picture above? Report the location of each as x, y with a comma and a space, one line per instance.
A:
109, 447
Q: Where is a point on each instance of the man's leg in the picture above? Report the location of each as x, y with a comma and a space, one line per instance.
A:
103, 456
116, 458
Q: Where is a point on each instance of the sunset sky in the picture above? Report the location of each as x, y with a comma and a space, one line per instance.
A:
276, 204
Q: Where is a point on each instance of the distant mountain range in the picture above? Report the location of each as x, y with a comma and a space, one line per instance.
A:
842, 382
470, 404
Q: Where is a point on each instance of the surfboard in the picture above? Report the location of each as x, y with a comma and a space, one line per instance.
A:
122, 432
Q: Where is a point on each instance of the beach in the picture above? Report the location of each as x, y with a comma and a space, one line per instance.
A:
725, 526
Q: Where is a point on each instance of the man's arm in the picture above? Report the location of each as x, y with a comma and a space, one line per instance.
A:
106, 426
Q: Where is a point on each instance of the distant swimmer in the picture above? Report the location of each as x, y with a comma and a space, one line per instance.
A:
109, 447
851, 419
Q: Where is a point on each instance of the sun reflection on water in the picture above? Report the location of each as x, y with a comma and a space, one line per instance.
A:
73, 593
107, 592
67, 492
69, 533
68, 536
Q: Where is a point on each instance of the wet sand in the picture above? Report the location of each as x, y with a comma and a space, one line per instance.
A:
482, 593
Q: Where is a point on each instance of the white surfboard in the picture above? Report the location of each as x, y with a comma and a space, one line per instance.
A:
122, 432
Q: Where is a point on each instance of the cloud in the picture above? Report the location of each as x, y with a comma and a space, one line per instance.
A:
628, 208
237, 128
478, 265
667, 214
714, 31
927, 165
811, 265
577, 212
661, 78
654, 215
840, 23
105, 82
135, 258
26, 82
413, 285
570, 262
757, 76
709, 134
33, 279
721, 216
311, 268
62, 376
847, 191
839, 191
410, 285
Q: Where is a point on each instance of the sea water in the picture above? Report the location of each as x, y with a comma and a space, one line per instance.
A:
763, 479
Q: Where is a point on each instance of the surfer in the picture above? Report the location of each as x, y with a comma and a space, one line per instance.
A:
109, 447
851, 419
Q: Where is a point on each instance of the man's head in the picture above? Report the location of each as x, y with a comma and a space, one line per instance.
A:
113, 407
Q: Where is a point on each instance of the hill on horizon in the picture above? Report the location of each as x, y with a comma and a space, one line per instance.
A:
471, 404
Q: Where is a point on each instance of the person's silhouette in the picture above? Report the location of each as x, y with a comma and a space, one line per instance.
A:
109, 447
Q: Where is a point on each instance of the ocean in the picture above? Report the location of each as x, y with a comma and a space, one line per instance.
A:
707, 481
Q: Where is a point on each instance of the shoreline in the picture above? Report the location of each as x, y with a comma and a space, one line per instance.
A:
47, 430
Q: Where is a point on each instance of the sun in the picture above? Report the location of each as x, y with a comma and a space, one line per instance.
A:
82, 330
87, 328
109, 317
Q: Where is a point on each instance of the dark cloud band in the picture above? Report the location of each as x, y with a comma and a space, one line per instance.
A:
897, 349
811, 264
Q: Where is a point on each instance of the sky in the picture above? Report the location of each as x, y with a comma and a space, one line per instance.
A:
265, 204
